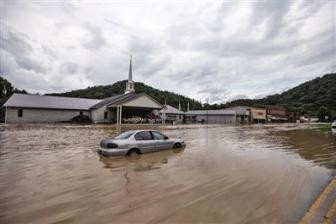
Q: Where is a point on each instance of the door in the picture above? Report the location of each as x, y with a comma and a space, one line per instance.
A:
145, 141
161, 141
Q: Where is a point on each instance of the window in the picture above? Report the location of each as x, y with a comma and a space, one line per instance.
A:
20, 112
125, 135
80, 112
105, 115
144, 135
158, 136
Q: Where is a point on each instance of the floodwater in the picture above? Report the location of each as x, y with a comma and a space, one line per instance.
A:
226, 174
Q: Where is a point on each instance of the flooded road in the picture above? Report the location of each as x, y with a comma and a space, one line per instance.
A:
249, 174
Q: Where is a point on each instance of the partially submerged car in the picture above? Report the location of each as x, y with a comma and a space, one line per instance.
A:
333, 125
138, 142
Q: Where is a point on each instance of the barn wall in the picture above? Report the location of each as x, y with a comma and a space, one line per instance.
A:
42, 115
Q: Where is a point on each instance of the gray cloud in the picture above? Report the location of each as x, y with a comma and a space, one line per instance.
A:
321, 50
29, 64
68, 68
238, 97
272, 13
214, 94
154, 66
48, 51
222, 50
19, 48
15, 43
96, 39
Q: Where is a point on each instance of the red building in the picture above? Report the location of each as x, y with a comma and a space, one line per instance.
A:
276, 113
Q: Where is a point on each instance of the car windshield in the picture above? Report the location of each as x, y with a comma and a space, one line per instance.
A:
158, 136
125, 135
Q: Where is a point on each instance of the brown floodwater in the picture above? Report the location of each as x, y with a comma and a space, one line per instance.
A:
226, 174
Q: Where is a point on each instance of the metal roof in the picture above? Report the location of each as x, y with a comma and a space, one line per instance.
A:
49, 102
121, 99
112, 99
171, 110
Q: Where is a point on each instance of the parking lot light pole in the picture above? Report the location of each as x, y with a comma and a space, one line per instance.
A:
207, 107
6, 115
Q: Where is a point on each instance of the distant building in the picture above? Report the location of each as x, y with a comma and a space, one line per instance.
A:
276, 113
116, 108
171, 114
258, 115
25, 108
243, 114
237, 115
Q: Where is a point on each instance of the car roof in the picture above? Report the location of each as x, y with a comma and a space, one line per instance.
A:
144, 130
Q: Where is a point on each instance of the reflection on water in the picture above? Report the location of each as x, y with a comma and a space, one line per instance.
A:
141, 163
251, 174
313, 144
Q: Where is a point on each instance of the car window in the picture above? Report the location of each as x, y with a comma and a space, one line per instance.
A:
125, 135
158, 136
144, 135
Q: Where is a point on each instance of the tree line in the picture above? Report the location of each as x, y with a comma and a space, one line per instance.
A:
315, 98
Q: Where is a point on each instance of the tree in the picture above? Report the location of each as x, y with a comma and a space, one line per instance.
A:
324, 114
6, 90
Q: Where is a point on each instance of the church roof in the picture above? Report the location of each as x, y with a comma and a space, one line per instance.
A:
112, 100
120, 99
49, 102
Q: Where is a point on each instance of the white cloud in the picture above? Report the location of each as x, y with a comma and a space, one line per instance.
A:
216, 50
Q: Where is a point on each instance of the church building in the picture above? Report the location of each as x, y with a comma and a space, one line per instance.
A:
28, 108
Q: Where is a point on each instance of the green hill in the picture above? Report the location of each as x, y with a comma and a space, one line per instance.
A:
310, 97
313, 98
101, 92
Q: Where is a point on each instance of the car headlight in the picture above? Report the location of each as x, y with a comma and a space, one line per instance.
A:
111, 145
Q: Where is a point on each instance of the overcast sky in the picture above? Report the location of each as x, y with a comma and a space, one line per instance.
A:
223, 50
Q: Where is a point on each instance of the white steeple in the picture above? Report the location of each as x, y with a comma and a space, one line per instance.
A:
4, 90
130, 83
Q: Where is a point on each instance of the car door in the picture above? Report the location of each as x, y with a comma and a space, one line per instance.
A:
161, 141
144, 140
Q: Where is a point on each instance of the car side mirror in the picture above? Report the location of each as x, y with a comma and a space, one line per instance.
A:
166, 138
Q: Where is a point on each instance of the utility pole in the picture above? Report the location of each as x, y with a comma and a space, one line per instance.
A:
164, 112
207, 108
4, 92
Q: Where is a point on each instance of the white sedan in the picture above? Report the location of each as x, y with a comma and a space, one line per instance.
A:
138, 142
